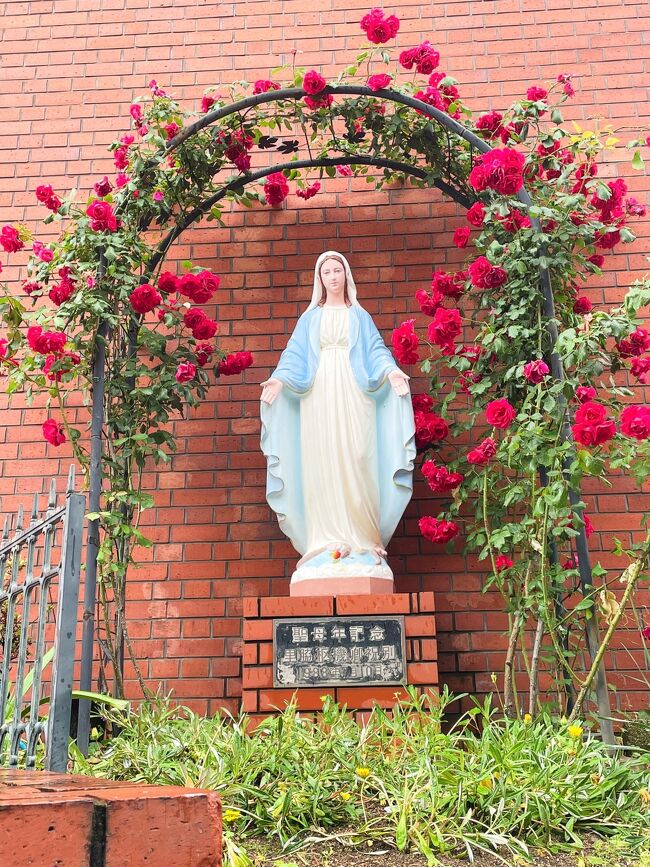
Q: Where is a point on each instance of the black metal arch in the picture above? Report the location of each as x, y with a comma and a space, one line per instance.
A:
296, 93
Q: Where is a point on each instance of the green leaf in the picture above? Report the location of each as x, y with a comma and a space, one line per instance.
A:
637, 161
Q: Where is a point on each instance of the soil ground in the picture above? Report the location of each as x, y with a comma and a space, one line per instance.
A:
333, 854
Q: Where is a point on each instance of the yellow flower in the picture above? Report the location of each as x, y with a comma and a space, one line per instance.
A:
486, 784
363, 772
575, 731
528, 718
345, 796
644, 794
231, 815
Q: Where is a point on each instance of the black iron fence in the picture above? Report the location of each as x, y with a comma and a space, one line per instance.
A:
40, 566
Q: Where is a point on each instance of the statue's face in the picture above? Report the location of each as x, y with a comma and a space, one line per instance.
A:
332, 275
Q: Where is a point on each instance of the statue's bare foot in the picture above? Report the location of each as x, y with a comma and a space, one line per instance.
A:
378, 553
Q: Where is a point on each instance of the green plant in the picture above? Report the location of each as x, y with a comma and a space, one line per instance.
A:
487, 784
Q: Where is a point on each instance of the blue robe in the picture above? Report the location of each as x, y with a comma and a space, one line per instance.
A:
371, 363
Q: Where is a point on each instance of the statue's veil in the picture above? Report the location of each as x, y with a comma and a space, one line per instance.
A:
318, 286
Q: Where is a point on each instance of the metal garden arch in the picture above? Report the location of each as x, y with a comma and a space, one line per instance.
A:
453, 131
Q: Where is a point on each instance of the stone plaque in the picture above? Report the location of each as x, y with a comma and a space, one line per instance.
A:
339, 651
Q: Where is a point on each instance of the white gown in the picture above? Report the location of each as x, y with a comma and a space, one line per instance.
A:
338, 447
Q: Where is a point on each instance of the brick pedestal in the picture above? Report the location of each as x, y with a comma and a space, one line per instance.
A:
260, 698
75, 821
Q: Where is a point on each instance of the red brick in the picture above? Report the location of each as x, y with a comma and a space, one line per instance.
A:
416, 625
258, 630
308, 699
309, 606
356, 697
423, 672
257, 677
396, 603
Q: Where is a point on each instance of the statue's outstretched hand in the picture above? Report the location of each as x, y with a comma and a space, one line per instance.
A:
271, 388
400, 382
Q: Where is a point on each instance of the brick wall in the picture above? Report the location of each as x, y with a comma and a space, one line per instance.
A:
70, 69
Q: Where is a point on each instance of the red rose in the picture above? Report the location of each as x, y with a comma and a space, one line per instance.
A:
30, 287
422, 402
207, 102
405, 343
171, 129
476, 214
635, 343
483, 453
145, 298
514, 221
203, 353
45, 341
500, 413
377, 82
591, 413
490, 124
429, 428
585, 393
582, 305
309, 192
448, 285
205, 329
439, 479
634, 208
103, 188
377, 28
263, 85
635, 422
484, 275
120, 157
61, 292
10, 240
53, 432
276, 189
424, 57
593, 427
535, 94
565, 79
185, 371
501, 170
429, 303
193, 317
502, 562
596, 260
234, 363
536, 371
313, 82
208, 283
44, 192
445, 326
461, 237
167, 282
319, 101
437, 531
64, 364
102, 218
607, 240
640, 369
4, 347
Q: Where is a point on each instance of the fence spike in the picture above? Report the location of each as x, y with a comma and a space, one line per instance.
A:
71, 475
34, 510
51, 500
5, 531
19, 519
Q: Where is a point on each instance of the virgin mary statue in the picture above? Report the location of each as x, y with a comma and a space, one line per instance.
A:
338, 436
